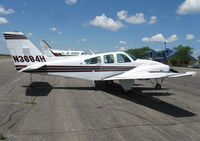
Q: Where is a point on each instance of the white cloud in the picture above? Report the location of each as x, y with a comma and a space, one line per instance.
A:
122, 48
122, 42
71, 2
171, 39
122, 15
82, 40
190, 37
53, 29
30, 34
3, 20
153, 20
155, 38
160, 38
138, 18
107, 23
189, 7
6, 11
59, 32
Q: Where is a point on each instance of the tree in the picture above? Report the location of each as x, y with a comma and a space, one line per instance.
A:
139, 52
181, 56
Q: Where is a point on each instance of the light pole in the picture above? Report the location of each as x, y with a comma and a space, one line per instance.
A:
165, 43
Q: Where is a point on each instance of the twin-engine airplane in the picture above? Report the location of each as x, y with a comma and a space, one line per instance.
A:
98, 67
46, 50
58, 53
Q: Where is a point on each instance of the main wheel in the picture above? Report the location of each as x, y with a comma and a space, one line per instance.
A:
158, 86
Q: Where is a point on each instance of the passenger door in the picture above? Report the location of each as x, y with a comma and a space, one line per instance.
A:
93, 67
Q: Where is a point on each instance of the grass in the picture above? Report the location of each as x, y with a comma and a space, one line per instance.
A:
4, 56
2, 136
30, 103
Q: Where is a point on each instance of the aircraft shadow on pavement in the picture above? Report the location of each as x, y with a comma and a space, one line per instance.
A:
146, 99
38, 89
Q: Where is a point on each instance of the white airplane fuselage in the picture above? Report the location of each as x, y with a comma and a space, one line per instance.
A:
77, 66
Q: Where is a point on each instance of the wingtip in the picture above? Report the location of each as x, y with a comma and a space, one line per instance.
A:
192, 73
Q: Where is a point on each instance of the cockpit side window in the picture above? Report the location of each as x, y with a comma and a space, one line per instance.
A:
121, 58
108, 58
95, 60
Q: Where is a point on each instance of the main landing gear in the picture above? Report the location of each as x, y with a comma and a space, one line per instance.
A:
101, 84
109, 82
158, 85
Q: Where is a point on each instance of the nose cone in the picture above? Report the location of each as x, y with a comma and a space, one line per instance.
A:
154, 64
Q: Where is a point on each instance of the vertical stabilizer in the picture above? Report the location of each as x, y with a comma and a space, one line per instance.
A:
22, 50
46, 49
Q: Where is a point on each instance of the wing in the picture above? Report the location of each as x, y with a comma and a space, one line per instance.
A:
32, 67
149, 72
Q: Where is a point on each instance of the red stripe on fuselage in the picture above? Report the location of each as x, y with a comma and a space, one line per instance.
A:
77, 68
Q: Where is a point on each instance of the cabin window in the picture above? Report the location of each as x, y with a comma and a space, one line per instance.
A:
95, 60
108, 58
121, 58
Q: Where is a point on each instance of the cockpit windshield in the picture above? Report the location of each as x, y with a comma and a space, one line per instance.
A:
133, 57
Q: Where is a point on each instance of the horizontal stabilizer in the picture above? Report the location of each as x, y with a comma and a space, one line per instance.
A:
32, 67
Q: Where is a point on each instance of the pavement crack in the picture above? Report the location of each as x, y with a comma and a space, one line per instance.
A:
20, 118
102, 129
10, 116
115, 109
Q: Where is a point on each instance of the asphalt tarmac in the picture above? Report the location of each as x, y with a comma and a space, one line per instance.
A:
60, 109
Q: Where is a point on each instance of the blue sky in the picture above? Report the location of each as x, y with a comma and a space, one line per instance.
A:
103, 25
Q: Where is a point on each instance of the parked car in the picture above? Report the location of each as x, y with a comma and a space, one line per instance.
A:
195, 66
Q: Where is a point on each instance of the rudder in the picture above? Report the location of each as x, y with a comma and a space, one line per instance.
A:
22, 50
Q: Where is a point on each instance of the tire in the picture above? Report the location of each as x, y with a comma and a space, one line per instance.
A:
109, 82
158, 87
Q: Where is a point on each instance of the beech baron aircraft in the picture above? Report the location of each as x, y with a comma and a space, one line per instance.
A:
105, 67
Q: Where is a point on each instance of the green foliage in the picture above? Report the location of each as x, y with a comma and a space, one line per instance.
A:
182, 56
139, 52
2, 136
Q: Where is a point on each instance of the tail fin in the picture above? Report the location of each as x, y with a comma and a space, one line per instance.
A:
23, 51
46, 48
